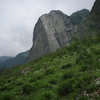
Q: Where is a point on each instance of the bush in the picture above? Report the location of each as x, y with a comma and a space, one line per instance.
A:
83, 68
66, 66
86, 59
88, 78
91, 88
83, 81
53, 80
36, 77
67, 75
49, 71
6, 96
83, 56
40, 85
27, 89
47, 95
65, 88
84, 98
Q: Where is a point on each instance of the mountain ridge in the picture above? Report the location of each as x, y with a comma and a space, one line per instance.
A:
19, 59
92, 24
57, 29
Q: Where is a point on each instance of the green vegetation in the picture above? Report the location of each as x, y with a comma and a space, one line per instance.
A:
71, 73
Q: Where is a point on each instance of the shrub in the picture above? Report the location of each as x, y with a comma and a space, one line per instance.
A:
47, 95
87, 59
83, 68
88, 78
84, 98
67, 75
40, 85
82, 56
27, 89
53, 80
91, 88
66, 66
6, 96
36, 77
49, 71
65, 88
83, 81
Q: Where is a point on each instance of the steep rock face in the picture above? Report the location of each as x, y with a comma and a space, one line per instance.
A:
52, 31
55, 30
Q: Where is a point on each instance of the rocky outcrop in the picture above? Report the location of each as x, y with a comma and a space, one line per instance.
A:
54, 31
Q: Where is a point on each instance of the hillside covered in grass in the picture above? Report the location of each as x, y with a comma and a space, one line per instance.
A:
71, 73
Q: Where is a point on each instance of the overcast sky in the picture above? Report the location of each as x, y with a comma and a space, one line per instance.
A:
18, 17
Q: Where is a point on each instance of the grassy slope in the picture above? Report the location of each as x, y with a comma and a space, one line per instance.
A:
72, 72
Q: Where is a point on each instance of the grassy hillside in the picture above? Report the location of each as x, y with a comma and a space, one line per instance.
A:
71, 73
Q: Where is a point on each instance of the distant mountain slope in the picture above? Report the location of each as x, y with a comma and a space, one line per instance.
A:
15, 61
92, 24
4, 58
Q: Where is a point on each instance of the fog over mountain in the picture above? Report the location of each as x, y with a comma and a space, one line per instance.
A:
18, 18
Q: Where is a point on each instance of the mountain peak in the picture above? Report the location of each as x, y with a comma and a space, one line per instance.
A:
52, 31
53, 13
79, 16
56, 11
96, 7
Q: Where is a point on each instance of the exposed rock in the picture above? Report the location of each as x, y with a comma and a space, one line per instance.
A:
97, 81
25, 71
52, 31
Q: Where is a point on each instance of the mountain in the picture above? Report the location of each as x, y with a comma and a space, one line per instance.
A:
91, 25
51, 32
70, 73
15, 61
54, 31
79, 17
95, 14
4, 58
